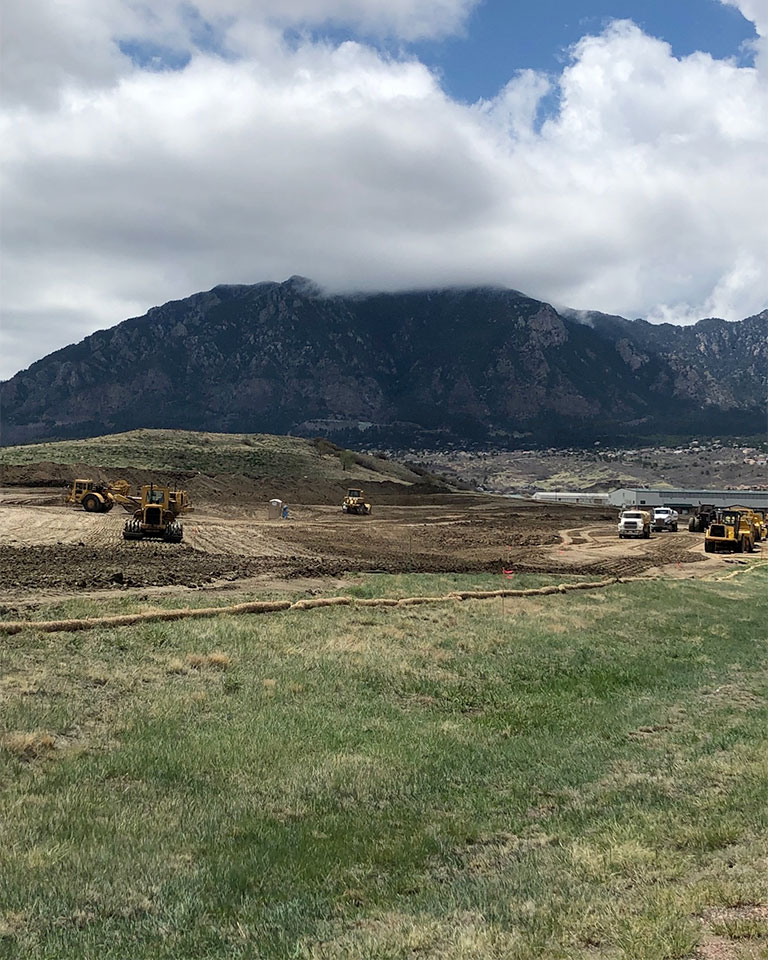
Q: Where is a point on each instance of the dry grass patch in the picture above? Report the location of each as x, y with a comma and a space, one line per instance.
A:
739, 923
556, 615
464, 935
735, 933
720, 948
11, 924
490, 855
28, 745
218, 660
736, 695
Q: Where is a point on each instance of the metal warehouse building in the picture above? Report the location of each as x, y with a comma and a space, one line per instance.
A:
684, 500
567, 496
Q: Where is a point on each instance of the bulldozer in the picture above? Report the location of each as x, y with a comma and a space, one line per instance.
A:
732, 530
354, 502
97, 497
157, 515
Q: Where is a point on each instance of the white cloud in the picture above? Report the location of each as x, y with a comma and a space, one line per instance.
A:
407, 19
644, 194
754, 10
757, 12
42, 48
50, 45
727, 298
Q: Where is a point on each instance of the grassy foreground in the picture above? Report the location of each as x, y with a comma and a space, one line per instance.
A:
580, 776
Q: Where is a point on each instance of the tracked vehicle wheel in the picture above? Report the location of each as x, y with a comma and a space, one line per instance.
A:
174, 532
132, 530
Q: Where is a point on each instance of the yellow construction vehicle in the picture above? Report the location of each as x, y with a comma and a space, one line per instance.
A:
354, 502
732, 530
758, 525
97, 497
157, 515
761, 518
755, 518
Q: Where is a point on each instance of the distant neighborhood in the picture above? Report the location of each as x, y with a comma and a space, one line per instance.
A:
707, 464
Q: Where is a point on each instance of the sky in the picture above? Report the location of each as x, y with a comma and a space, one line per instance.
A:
598, 155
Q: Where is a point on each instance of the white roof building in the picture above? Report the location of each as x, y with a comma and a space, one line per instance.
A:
685, 499
565, 496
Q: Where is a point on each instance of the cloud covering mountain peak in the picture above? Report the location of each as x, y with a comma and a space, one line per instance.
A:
146, 155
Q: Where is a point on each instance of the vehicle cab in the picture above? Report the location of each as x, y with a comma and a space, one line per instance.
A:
665, 518
634, 523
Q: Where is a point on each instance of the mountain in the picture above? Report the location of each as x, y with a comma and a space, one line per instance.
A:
457, 365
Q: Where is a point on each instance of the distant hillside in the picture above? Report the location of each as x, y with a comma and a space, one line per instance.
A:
252, 455
427, 367
246, 465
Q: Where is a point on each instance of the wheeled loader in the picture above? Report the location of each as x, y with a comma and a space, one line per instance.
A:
97, 497
732, 530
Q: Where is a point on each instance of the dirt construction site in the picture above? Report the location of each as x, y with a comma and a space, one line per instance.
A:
49, 549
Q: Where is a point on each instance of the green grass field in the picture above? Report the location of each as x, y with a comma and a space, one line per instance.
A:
581, 776
255, 455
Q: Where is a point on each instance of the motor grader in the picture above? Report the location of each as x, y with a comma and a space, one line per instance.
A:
97, 497
354, 502
157, 515
732, 530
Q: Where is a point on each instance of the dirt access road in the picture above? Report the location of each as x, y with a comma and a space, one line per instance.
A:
49, 549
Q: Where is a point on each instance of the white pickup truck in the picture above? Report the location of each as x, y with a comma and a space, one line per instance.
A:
634, 523
664, 518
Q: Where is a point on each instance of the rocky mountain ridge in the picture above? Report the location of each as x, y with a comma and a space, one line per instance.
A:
455, 365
